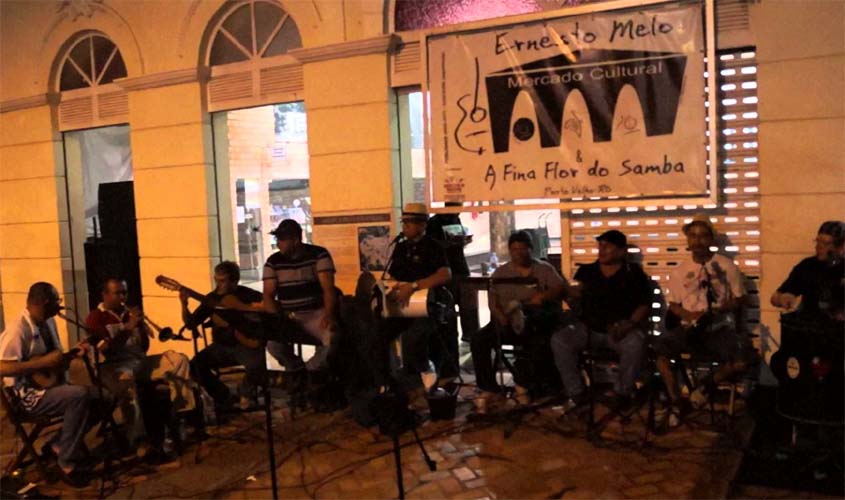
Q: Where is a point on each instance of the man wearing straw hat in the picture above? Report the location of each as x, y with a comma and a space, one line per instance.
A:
705, 294
417, 263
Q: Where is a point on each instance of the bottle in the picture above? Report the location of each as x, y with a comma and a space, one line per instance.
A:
494, 261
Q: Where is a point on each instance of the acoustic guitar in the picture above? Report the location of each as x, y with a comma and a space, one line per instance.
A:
227, 302
53, 376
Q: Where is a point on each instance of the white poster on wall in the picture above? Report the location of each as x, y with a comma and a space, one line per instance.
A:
605, 104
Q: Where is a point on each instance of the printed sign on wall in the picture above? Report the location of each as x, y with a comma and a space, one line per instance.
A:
606, 104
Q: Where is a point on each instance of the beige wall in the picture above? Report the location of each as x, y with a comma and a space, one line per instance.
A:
351, 133
801, 83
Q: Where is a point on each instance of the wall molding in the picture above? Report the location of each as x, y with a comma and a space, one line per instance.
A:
164, 79
34, 101
378, 45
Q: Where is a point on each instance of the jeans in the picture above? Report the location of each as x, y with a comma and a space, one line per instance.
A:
568, 343
74, 402
222, 355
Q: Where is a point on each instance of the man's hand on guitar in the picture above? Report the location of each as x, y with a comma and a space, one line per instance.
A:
232, 302
52, 359
183, 296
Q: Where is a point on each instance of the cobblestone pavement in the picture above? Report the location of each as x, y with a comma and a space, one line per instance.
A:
543, 456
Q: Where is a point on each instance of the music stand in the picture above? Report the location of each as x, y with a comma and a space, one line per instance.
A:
258, 325
107, 416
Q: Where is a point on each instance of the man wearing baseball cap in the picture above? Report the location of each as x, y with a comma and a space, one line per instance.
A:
705, 293
615, 296
299, 281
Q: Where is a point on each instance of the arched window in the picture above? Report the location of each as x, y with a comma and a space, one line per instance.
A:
251, 30
91, 61
246, 50
84, 75
419, 14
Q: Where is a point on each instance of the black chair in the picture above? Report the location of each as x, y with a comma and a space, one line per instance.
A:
647, 392
21, 420
695, 367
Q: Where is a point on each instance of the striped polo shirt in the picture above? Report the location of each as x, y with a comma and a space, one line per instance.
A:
297, 285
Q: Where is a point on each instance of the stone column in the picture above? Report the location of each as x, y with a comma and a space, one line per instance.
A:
801, 81
34, 243
352, 141
175, 191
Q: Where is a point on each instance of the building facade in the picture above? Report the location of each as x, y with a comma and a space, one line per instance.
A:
188, 65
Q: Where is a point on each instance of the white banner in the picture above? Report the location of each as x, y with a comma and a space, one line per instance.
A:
606, 104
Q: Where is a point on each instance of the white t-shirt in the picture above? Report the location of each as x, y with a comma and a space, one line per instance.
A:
20, 342
689, 281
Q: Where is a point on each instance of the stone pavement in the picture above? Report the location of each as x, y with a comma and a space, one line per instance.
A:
545, 456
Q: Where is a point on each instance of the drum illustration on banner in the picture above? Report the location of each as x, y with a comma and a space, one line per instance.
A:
607, 104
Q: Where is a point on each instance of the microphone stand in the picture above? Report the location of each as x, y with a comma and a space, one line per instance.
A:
107, 417
400, 411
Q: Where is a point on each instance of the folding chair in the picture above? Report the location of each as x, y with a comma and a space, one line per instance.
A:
646, 393
20, 420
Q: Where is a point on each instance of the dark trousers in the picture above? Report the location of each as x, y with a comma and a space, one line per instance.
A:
222, 355
483, 345
467, 298
414, 334
443, 348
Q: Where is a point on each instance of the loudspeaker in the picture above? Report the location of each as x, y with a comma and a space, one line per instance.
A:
116, 209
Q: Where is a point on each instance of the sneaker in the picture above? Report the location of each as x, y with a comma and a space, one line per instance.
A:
574, 403
678, 412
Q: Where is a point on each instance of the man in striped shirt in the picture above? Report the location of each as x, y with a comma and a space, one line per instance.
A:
299, 282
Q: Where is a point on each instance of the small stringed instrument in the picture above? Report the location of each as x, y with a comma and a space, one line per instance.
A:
51, 377
228, 302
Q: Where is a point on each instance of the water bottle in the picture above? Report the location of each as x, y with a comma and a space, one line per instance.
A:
494, 261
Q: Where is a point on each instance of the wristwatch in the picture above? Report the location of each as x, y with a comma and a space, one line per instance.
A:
415, 286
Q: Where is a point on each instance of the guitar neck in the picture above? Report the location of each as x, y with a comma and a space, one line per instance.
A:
192, 293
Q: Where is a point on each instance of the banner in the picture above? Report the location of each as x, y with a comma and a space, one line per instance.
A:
600, 105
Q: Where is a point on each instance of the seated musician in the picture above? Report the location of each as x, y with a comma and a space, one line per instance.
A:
125, 339
615, 298
417, 263
299, 282
706, 293
31, 345
517, 310
228, 347
814, 288
812, 300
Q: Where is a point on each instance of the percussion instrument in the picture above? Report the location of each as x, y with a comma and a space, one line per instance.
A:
809, 368
384, 305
